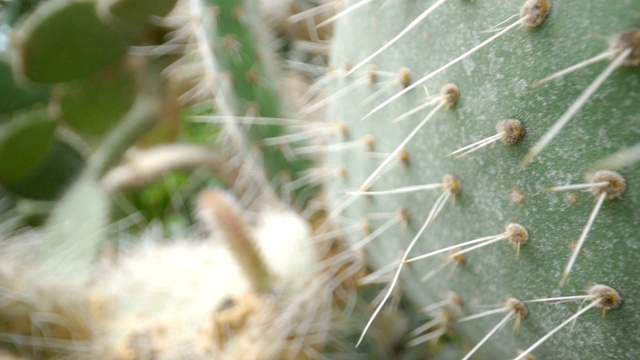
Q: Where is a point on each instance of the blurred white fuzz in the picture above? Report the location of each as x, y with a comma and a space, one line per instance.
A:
169, 299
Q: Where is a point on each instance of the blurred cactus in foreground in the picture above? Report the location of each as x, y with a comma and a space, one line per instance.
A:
107, 97
209, 179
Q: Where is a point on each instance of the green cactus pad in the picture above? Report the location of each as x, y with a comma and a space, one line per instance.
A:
52, 176
13, 96
244, 52
93, 105
24, 143
64, 40
495, 83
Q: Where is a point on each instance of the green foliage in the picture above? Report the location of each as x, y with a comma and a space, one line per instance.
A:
65, 40
24, 142
15, 97
65, 44
496, 84
53, 175
169, 201
95, 104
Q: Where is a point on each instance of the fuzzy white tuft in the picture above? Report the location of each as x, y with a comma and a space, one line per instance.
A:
284, 239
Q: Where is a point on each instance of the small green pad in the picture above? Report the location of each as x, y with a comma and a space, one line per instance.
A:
13, 96
138, 12
24, 142
95, 104
52, 176
65, 40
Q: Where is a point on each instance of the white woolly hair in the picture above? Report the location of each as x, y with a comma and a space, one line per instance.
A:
160, 296
284, 240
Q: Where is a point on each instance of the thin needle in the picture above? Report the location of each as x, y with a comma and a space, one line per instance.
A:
449, 248
575, 67
397, 37
477, 145
583, 237
575, 107
343, 13
550, 333
493, 331
431, 273
576, 186
400, 190
620, 159
384, 300
441, 69
413, 111
378, 231
434, 212
558, 299
488, 242
484, 314
429, 336
399, 148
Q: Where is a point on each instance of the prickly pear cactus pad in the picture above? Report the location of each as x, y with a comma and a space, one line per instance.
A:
64, 40
506, 229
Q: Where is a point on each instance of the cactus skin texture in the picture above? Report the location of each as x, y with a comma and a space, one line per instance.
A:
495, 84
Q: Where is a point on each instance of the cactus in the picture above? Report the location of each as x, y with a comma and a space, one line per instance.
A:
16, 97
32, 134
106, 97
52, 45
510, 177
500, 185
